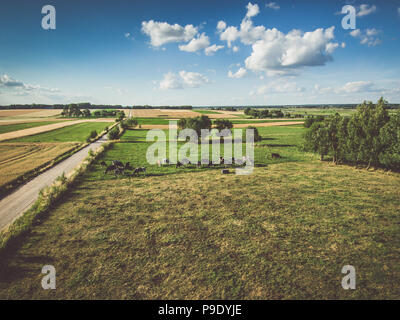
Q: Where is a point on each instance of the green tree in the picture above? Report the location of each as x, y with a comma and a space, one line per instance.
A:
317, 139
364, 132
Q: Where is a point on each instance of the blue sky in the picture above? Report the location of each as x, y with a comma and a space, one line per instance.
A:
220, 52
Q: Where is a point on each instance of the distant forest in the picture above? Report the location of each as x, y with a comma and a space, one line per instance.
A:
87, 105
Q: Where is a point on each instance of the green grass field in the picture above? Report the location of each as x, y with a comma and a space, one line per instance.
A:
21, 126
74, 133
283, 232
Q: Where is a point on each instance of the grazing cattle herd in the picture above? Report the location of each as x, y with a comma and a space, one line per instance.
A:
119, 168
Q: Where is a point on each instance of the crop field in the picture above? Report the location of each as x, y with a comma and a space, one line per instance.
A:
77, 132
25, 125
18, 158
28, 113
283, 232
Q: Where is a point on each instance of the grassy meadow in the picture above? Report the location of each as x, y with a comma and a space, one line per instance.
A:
283, 232
75, 133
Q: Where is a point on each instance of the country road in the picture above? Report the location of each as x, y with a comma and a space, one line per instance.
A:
14, 205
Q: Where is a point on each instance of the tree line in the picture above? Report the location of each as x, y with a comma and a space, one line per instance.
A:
265, 113
73, 110
371, 136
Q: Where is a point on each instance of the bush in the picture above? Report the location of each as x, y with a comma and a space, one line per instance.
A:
113, 134
257, 136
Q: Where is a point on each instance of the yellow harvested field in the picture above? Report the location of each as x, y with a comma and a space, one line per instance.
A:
23, 113
18, 158
162, 113
49, 127
240, 125
267, 124
178, 114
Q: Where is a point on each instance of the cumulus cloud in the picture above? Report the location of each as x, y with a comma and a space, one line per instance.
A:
235, 49
238, 74
184, 79
369, 37
229, 35
221, 25
193, 79
272, 5
282, 52
196, 44
252, 10
162, 32
277, 53
209, 51
170, 81
365, 9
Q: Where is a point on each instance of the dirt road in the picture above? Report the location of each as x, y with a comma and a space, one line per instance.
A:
14, 205
45, 128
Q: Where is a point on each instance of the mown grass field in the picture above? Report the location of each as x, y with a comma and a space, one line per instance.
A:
74, 133
284, 232
21, 126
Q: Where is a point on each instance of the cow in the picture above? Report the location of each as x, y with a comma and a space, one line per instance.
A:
119, 171
128, 166
178, 165
275, 155
103, 164
110, 168
136, 171
117, 163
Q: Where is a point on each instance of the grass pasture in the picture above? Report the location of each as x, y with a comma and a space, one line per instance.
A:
283, 232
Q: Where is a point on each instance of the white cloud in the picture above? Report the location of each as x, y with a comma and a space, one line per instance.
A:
209, 51
238, 74
193, 79
221, 25
277, 53
365, 9
12, 84
170, 81
355, 33
184, 79
272, 5
357, 86
279, 87
348, 88
282, 52
128, 35
229, 35
196, 44
369, 37
235, 49
252, 10
7, 81
161, 32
